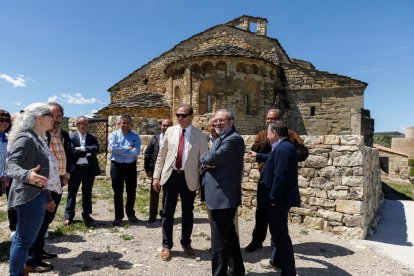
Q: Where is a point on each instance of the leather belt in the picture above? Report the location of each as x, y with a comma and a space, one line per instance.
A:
179, 171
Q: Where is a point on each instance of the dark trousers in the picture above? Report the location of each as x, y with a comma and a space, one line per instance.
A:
36, 249
225, 245
154, 201
278, 226
261, 223
176, 185
120, 173
81, 174
11, 213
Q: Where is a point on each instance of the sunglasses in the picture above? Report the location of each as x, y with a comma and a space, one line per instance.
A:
2, 120
178, 115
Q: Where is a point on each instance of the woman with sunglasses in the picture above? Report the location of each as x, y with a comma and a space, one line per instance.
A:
34, 171
5, 125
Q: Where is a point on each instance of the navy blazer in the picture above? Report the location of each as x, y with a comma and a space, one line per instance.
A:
91, 146
222, 184
279, 180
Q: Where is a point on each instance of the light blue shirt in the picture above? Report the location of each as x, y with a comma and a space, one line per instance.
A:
119, 146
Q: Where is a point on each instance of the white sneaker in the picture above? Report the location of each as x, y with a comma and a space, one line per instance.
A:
46, 235
265, 263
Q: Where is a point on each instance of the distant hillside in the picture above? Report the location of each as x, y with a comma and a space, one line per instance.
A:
384, 138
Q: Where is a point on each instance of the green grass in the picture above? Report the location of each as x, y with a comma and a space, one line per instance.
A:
404, 189
3, 215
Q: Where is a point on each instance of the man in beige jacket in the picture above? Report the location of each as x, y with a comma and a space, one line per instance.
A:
177, 171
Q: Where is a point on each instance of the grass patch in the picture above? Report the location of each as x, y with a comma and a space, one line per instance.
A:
405, 190
3, 215
127, 237
304, 232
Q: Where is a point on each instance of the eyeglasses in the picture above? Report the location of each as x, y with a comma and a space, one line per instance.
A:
182, 115
47, 114
2, 120
220, 120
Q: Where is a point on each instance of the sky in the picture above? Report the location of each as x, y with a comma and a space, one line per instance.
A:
74, 51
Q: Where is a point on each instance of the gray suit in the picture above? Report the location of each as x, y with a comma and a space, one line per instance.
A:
222, 191
222, 185
26, 153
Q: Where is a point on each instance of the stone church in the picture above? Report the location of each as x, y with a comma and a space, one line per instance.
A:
233, 66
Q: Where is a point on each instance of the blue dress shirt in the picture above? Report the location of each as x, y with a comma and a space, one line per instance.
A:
119, 146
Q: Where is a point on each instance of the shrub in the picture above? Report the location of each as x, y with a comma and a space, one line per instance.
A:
411, 162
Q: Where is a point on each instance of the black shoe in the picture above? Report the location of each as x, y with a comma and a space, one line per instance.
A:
152, 219
117, 222
38, 266
253, 246
88, 219
47, 255
133, 219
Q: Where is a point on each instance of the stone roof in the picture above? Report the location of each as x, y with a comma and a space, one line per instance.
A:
146, 99
390, 150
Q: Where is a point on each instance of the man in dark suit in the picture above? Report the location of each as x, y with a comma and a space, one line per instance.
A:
279, 192
86, 168
223, 170
150, 157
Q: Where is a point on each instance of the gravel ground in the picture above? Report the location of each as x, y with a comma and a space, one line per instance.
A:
134, 249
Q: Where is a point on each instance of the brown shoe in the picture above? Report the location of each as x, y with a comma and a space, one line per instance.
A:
165, 254
189, 251
67, 222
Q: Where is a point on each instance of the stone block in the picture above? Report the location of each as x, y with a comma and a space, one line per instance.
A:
254, 174
308, 173
349, 160
339, 188
353, 181
352, 140
308, 192
346, 148
329, 172
321, 183
353, 220
341, 194
349, 206
355, 232
251, 186
321, 193
339, 229
316, 161
296, 220
314, 223
314, 201
302, 182
330, 215
356, 193
301, 211
331, 140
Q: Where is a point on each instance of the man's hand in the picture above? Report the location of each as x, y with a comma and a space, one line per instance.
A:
156, 185
65, 180
50, 207
251, 153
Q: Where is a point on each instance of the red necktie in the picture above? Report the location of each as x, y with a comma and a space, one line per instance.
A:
179, 160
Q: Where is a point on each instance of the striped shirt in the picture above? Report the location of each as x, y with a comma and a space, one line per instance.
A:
56, 146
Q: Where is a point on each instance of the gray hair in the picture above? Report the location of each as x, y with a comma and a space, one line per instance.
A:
280, 128
230, 115
279, 113
25, 120
80, 118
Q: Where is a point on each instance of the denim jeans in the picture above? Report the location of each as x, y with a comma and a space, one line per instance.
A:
29, 219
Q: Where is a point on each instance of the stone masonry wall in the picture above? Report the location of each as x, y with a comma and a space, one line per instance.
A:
339, 183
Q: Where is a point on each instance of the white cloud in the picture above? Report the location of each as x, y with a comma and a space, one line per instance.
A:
19, 81
18, 103
91, 114
76, 98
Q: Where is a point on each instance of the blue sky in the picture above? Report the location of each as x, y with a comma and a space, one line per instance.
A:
73, 51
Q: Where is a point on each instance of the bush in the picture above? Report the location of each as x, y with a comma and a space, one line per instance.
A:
411, 162
411, 171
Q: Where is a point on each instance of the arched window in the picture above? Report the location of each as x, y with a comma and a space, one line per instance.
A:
221, 66
246, 104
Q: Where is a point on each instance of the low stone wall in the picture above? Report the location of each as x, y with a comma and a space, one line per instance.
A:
339, 183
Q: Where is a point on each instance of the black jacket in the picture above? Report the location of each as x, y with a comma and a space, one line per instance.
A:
151, 153
91, 146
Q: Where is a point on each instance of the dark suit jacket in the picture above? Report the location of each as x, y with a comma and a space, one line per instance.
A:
279, 180
222, 184
91, 146
67, 146
151, 153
